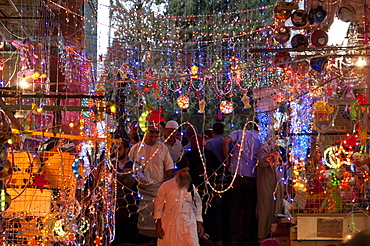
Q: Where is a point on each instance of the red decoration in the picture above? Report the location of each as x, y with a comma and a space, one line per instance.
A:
155, 116
350, 141
40, 181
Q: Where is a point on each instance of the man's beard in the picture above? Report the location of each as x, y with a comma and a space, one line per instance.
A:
183, 182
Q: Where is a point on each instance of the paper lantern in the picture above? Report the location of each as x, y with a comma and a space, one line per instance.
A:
301, 67
299, 18
282, 59
245, 99
346, 13
282, 34
299, 41
317, 14
183, 102
226, 107
319, 38
319, 64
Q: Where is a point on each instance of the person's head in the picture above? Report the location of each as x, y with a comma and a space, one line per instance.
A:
169, 128
189, 132
122, 149
182, 176
218, 128
135, 139
161, 127
134, 128
151, 136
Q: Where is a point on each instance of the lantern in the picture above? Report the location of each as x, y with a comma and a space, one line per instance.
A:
183, 102
226, 107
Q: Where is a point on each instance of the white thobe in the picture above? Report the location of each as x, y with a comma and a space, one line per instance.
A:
155, 160
179, 214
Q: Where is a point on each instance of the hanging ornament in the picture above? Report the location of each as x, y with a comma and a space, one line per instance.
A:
282, 59
351, 141
283, 9
142, 120
282, 34
346, 13
245, 100
202, 105
194, 70
183, 102
40, 181
321, 111
155, 116
299, 18
76, 166
319, 38
317, 14
319, 64
299, 41
226, 107
301, 67
336, 156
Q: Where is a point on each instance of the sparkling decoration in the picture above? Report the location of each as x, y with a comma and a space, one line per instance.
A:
183, 102
226, 107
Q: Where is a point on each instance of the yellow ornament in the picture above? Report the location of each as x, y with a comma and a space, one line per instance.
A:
245, 100
142, 120
202, 105
194, 70
183, 102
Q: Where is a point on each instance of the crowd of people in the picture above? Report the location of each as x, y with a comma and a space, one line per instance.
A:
164, 197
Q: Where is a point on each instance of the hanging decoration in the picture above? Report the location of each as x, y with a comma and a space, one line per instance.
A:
226, 107
245, 99
202, 105
155, 116
183, 102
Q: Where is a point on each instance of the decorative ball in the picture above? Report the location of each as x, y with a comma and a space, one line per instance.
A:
319, 38
226, 107
280, 14
183, 102
319, 64
301, 67
299, 18
270, 242
282, 34
346, 13
282, 59
6, 170
299, 41
3, 154
317, 14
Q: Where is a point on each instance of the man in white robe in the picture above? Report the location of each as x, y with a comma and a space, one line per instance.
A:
178, 210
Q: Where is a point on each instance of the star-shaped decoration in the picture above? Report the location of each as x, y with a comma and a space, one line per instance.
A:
362, 135
40, 181
156, 116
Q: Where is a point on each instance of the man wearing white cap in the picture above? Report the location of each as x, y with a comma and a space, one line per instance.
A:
173, 144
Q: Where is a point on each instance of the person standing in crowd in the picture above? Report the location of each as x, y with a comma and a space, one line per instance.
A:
178, 210
133, 129
170, 140
153, 165
127, 204
243, 195
215, 143
189, 132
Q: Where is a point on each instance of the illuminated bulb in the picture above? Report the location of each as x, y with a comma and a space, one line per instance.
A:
71, 125
113, 109
23, 83
10, 141
360, 62
39, 110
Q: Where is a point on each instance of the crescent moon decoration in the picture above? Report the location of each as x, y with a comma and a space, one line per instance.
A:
76, 166
58, 228
336, 156
84, 225
142, 120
